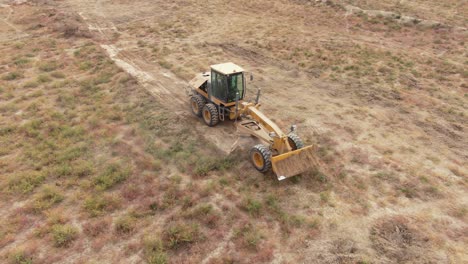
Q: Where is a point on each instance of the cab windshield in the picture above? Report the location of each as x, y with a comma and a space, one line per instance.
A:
235, 84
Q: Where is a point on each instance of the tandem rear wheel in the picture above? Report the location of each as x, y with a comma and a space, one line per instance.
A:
210, 114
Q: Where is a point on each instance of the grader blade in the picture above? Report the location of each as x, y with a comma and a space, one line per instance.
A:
294, 162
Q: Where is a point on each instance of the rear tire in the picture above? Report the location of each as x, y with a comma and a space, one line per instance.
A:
260, 156
210, 114
295, 141
196, 104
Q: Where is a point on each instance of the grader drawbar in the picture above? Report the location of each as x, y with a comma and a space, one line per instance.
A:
218, 96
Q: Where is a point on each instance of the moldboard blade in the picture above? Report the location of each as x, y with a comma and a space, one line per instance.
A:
295, 162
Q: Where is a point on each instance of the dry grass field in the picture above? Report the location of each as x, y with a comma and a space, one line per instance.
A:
101, 160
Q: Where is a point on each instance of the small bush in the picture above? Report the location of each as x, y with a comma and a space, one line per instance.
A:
88, 87
48, 197
12, 76
165, 64
31, 84
324, 197
43, 78
272, 202
248, 236
21, 62
48, 66
205, 213
205, 165
61, 170
125, 225
96, 205
180, 234
154, 251
7, 130
113, 175
83, 168
58, 75
32, 128
63, 235
102, 78
159, 257
20, 257
25, 182
85, 66
253, 207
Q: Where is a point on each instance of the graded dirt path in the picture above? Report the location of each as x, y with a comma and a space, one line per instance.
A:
161, 83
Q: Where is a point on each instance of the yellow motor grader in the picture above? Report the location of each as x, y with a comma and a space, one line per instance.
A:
219, 95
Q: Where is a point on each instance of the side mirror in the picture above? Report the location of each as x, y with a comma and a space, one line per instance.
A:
251, 77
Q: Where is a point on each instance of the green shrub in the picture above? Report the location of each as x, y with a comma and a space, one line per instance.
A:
20, 257
159, 257
12, 76
125, 224
61, 170
25, 182
83, 168
32, 127
42, 78
48, 197
272, 202
205, 165
154, 251
58, 75
253, 207
113, 175
88, 86
102, 78
180, 234
324, 197
249, 236
165, 64
48, 66
7, 130
31, 84
63, 235
21, 62
95, 205
204, 213
84, 66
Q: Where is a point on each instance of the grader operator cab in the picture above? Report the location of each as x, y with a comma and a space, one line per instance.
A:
219, 95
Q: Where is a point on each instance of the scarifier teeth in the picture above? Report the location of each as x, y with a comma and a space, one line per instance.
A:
295, 162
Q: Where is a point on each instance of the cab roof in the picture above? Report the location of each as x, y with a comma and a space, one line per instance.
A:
227, 68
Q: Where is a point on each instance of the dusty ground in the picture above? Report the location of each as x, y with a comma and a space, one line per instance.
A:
131, 176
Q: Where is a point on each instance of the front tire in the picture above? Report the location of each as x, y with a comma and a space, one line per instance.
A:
210, 115
295, 141
260, 156
196, 104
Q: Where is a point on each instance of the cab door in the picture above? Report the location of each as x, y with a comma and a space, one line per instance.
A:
219, 86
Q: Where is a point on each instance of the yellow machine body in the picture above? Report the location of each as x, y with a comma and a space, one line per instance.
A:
285, 156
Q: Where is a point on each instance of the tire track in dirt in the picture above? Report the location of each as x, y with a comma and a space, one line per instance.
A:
19, 34
170, 91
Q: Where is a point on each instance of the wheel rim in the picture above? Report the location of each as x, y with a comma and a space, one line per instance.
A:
194, 106
207, 115
258, 160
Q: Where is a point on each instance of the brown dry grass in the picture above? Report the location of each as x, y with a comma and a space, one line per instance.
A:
96, 169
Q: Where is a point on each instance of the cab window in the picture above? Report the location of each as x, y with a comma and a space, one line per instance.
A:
236, 84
